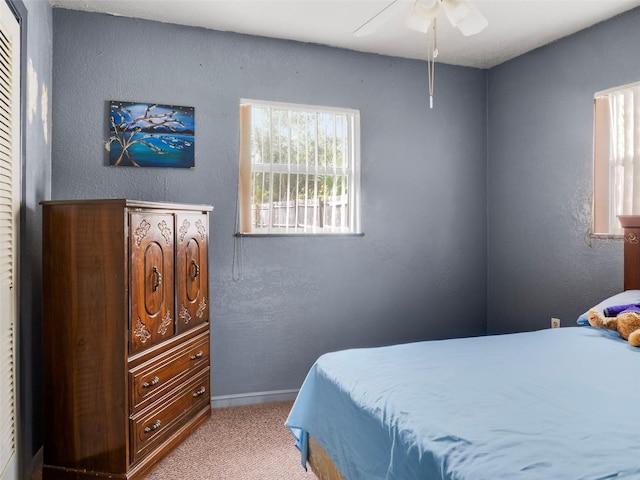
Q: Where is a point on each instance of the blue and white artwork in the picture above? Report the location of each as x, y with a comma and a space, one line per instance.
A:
151, 135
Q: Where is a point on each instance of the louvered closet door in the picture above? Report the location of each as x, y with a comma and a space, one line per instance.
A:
9, 221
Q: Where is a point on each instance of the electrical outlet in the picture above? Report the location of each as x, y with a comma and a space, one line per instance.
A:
555, 322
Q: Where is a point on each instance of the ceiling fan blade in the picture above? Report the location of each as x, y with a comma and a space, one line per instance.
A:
418, 24
474, 23
379, 19
465, 16
456, 10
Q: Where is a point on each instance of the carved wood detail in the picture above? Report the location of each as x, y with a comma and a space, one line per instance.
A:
141, 331
201, 308
141, 231
201, 230
166, 231
166, 321
184, 314
184, 229
631, 238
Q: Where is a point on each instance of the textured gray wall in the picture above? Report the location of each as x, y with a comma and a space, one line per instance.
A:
36, 18
542, 261
419, 272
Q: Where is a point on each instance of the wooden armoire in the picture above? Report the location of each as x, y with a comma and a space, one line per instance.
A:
125, 334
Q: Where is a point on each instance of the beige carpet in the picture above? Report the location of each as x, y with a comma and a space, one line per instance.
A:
238, 443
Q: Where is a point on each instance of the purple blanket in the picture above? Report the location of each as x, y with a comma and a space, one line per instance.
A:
616, 310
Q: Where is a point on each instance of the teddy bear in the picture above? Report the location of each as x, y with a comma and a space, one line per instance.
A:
626, 322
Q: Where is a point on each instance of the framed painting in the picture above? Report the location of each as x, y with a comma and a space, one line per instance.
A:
151, 135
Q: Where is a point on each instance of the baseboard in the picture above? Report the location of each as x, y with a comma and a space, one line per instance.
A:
252, 398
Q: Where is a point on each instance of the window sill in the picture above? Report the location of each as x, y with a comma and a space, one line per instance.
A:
606, 236
298, 234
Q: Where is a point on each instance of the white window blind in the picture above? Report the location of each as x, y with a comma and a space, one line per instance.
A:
616, 157
9, 215
299, 169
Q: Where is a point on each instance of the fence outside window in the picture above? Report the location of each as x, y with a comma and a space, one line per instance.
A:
331, 214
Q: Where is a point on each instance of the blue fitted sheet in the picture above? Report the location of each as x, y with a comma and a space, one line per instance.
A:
556, 404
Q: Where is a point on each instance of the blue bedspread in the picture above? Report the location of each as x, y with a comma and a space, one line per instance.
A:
557, 404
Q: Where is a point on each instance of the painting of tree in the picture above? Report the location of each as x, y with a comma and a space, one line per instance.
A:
151, 135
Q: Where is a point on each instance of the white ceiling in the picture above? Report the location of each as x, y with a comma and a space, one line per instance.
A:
515, 26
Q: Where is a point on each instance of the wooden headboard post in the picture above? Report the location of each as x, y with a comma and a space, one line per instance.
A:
631, 225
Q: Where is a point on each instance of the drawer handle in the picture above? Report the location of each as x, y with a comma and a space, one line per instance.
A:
195, 269
153, 427
151, 383
197, 355
157, 279
199, 392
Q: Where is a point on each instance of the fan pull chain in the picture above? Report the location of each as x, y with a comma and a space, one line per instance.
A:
432, 53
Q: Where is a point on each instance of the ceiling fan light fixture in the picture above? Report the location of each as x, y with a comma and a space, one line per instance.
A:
462, 14
426, 9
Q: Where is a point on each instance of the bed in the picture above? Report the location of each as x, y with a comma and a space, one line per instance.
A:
554, 404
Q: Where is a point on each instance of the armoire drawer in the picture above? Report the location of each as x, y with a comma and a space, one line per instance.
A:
156, 424
156, 377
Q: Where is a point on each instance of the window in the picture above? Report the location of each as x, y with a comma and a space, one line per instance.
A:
616, 157
299, 169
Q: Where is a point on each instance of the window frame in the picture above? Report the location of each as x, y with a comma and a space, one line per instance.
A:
352, 172
604, 222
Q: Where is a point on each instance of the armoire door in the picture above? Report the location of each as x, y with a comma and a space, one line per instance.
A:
151, 238
191, 270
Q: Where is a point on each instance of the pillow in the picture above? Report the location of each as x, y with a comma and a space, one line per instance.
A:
625, 298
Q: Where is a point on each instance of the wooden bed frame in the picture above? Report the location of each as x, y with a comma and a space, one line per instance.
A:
631, 225
320, 462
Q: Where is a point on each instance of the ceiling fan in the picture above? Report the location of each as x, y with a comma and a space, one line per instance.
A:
423, 17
